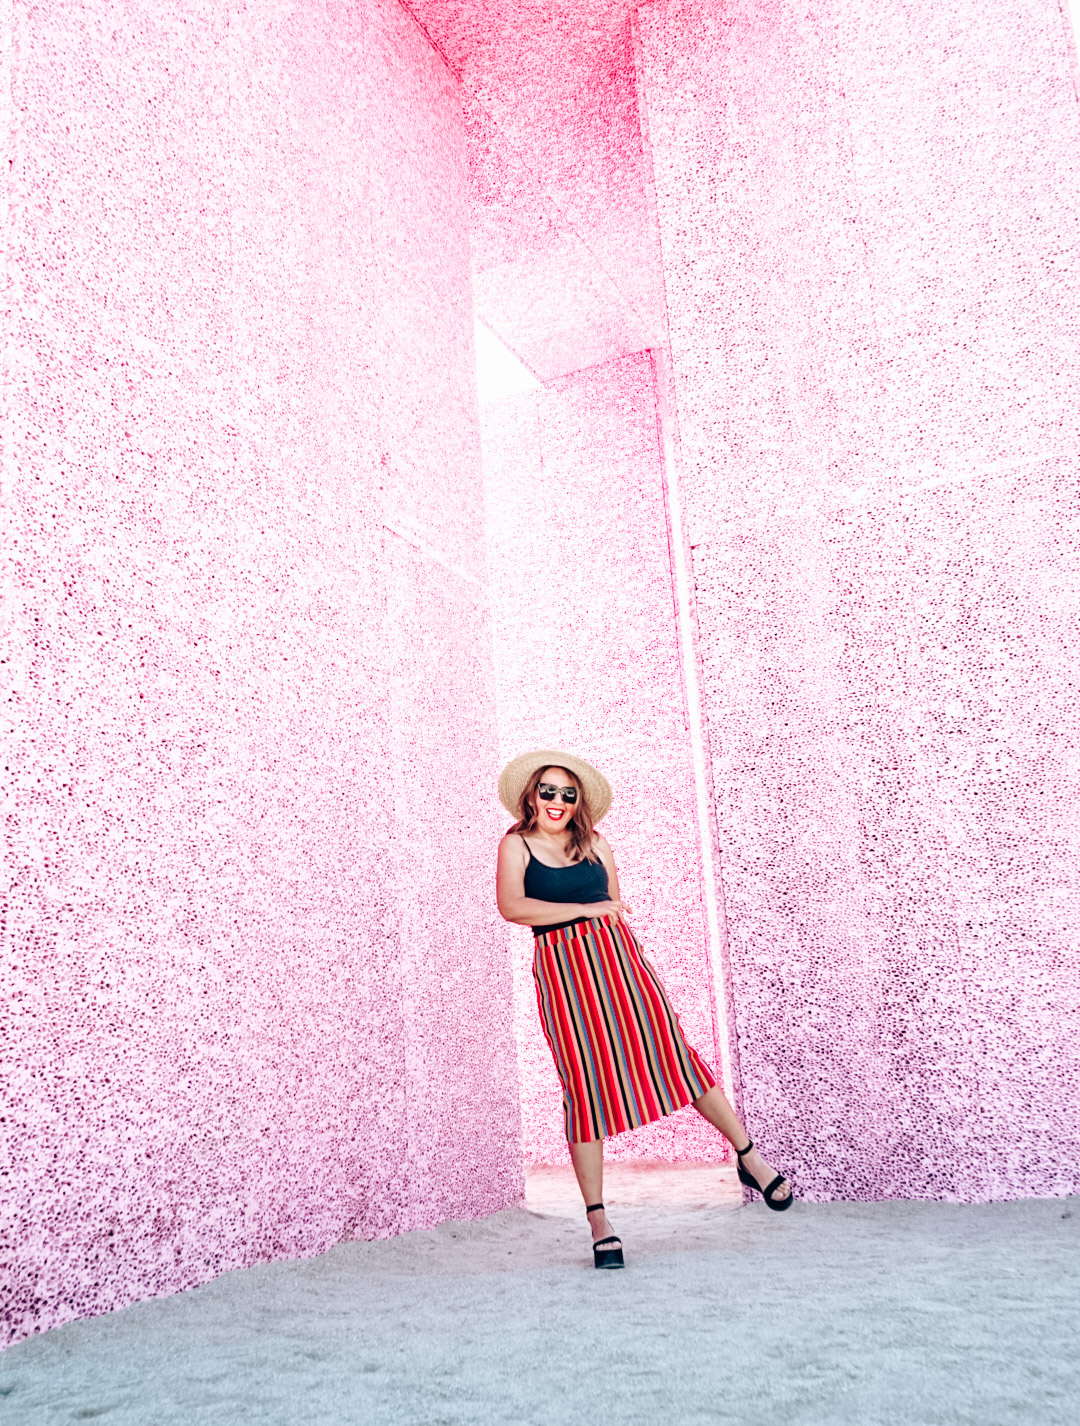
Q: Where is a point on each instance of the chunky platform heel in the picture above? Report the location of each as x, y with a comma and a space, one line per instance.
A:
604, 1257
768, 1193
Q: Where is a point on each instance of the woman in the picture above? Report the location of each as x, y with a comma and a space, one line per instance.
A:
617, 1043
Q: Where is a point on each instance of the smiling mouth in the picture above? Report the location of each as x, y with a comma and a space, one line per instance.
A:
555, 815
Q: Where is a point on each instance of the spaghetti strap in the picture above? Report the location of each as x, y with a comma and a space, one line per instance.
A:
527, 847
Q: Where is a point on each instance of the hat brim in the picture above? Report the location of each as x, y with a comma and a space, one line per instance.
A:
515, 775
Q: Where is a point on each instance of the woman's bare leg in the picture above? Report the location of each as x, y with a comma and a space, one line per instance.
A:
588, 1162
714, 1107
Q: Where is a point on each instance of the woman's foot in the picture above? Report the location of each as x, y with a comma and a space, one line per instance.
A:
601, 1228
607, 1247
763, 1174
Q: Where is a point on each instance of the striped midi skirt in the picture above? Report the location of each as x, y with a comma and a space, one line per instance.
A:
617, 1043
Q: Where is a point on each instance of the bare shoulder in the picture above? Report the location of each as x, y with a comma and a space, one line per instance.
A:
510, 842
601, 844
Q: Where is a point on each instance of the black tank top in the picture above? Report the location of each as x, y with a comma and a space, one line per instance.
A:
583, 882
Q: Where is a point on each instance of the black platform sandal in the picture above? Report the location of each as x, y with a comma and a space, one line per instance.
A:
605, 1257
768, 1193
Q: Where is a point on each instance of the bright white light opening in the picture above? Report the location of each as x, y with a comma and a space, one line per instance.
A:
499, 372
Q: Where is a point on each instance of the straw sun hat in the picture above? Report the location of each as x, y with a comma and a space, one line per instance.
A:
516, 774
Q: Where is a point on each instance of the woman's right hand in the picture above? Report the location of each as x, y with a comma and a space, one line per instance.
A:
618, 909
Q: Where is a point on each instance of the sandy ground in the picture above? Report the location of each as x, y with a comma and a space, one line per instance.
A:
890, 1313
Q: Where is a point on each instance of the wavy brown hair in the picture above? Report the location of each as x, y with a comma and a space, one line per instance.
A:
580, 825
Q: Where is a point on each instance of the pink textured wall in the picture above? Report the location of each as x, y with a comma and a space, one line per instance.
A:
871, 249
566, 261
255, 999
259, 996
586, 659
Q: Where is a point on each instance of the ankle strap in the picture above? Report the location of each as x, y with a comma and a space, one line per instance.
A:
742, 1153
592, 1207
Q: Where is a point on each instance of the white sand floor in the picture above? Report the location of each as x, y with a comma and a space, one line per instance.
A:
903, 1314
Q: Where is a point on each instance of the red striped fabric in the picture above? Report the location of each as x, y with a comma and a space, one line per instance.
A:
617, 1043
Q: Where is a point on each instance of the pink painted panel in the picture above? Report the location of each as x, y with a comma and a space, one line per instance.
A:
587, 659
256, 999
565, 252
870, 239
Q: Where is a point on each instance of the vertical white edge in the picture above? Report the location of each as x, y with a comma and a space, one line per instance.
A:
710, 869
685, 618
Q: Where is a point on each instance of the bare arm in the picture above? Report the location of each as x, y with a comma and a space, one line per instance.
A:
524, 910
613, 885
608, 859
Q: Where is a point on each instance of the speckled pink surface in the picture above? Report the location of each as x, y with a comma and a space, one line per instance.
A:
254, 996
566, 258
259, 995
586, 660
872, 259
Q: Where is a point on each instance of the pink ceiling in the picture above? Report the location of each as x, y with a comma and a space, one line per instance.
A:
566, 264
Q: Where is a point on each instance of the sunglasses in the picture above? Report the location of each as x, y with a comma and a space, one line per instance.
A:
547, 793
